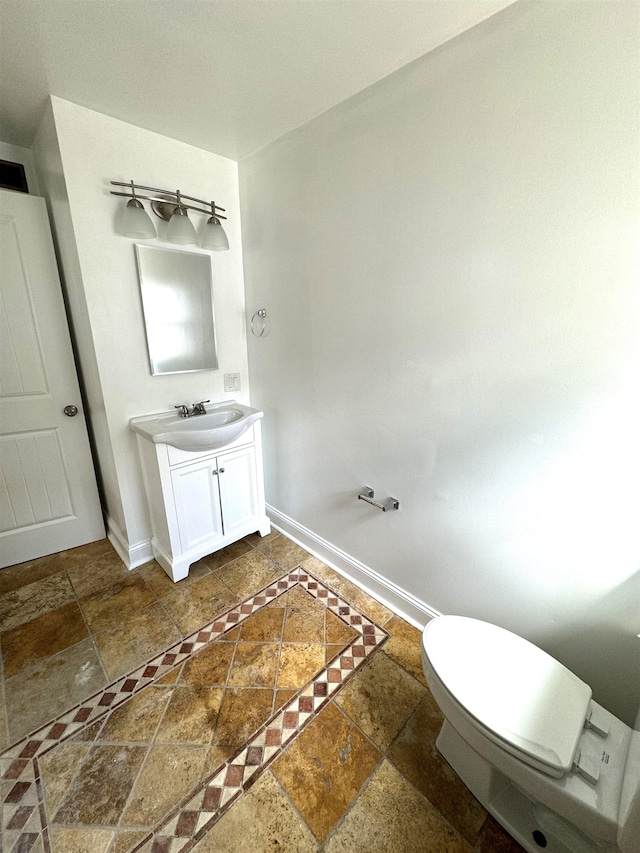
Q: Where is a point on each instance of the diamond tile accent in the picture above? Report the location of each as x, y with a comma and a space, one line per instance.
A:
21, 824
261, 750
23, 814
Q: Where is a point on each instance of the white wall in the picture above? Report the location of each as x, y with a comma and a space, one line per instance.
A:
450, 265
93, 149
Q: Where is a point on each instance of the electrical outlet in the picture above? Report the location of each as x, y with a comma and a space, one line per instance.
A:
232, 382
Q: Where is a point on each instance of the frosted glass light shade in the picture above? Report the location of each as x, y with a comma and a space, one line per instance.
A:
180, 229
136, 222
214, 236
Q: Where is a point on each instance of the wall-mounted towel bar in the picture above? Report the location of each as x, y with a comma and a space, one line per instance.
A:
366, 494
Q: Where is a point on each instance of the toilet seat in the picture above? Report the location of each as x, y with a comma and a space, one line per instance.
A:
524, 700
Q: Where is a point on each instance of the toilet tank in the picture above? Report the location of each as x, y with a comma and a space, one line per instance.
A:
629, 815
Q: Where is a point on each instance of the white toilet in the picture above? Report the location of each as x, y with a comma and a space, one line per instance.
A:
558, 771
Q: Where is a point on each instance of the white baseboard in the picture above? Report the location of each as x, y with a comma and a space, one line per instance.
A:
385, 591
398, 600
131, 555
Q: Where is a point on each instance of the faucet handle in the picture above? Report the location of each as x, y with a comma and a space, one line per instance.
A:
199, 409
184, 411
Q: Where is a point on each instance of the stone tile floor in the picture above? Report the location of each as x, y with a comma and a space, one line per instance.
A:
273, 705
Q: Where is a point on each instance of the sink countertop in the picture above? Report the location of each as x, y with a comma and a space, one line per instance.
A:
222, 424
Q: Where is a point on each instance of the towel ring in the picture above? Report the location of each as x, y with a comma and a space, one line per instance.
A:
259, 322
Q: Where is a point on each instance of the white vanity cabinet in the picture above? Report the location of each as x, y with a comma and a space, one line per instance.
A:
200, 501
215, 497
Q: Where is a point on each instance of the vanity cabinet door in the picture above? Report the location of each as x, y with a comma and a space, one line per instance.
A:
195, 489
238, 489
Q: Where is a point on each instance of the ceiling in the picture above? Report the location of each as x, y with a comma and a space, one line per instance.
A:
228, 76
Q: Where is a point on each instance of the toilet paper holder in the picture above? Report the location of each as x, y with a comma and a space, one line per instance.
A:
367, 494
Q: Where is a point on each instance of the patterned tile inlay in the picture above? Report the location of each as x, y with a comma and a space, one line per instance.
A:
23, 811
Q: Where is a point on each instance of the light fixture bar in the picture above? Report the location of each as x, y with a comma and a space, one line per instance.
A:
165, 200
131, 185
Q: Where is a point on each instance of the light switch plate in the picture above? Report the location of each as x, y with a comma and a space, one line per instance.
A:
232, 382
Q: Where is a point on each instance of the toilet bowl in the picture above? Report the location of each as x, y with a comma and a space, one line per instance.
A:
556, 769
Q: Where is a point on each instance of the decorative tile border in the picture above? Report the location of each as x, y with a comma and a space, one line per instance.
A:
23, 814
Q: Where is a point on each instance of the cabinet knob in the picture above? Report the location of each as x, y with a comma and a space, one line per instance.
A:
221, 470
218, 471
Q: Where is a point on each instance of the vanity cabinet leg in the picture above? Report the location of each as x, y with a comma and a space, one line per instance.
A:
176, 569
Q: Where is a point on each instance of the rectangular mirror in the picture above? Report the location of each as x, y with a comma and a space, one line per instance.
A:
177, 300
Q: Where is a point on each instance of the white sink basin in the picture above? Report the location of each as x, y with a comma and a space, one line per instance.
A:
222, 424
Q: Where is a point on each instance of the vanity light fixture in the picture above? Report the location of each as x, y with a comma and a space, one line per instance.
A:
171, 207
180, 229
135, 221
213, 235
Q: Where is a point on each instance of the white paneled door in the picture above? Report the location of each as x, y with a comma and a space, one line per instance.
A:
48, 494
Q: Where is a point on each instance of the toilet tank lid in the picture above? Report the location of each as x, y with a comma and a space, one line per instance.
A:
513, 688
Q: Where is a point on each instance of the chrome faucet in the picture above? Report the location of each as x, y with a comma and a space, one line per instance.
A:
199, 409
183, 411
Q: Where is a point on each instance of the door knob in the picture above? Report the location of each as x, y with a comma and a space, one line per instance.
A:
70, 411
